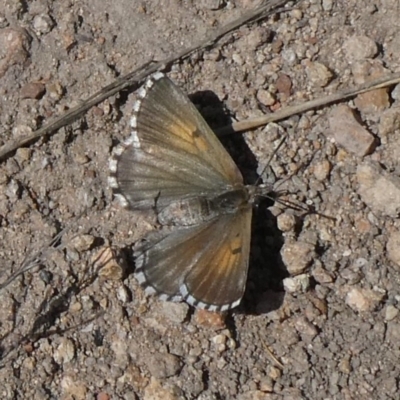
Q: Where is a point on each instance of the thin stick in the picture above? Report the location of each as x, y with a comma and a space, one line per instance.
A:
272, 356
309, 105
270, 159
139, 74
35, 259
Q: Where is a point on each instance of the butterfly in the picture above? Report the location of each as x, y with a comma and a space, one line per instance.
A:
174, 164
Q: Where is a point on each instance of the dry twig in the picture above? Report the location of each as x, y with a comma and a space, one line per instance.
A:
135, 77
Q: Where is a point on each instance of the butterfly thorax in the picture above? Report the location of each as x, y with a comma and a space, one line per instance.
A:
262, 190
195, 210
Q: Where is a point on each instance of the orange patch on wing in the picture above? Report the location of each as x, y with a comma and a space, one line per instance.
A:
200, 142
228, 256
236, 245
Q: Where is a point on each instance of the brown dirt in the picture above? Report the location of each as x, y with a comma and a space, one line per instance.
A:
331, 333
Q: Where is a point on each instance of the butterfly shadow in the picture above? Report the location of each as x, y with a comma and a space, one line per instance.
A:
264, 288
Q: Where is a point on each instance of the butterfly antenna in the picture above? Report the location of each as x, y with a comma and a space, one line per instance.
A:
286, 203
308, 210
270, 159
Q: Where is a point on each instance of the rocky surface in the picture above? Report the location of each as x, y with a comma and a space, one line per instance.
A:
320, 317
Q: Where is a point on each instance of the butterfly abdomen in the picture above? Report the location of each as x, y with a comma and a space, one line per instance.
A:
187, 212
196, 210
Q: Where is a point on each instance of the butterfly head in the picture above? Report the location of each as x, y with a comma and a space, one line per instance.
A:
264, 190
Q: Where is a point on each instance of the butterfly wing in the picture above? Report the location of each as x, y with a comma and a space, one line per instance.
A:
205, 264
172, 152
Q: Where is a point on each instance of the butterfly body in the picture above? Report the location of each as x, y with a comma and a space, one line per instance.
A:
197, 210
175, 165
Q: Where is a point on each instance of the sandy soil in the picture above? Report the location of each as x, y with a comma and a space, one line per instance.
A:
320, 317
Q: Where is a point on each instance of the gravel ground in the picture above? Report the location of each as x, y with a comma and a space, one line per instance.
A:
320, 317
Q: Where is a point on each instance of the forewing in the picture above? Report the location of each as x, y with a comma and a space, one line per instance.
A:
172, 152
206, 265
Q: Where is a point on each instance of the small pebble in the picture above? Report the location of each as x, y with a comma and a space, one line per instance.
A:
296, 14
42, 24
318, 74
305, 328
219, 339
345, 366
359, 48
297, 256
322, 170
73, 388
209, 319
266, 385
393, 248
237, 58
362, 300
391, 312
389, 121
253, 395
106, 262
321, 275
327, 5
65, 352
163, 365
297, 284
33, 90
211, 4
123, 294
349, 133
103, 396
284, 85
373, 101
21, 131
46, 276
286, 222
82, 242
396, 92
14, 48
379, 189
156, 391
175, 312
23, 154
75, 307
274, 373
13, 190
265, 97
55, 90
289, 56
